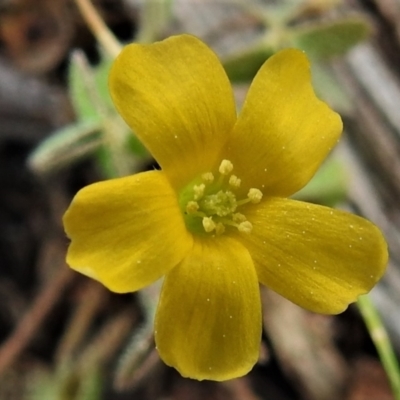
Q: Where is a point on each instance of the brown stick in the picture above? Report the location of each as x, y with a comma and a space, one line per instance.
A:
98, 27
33, 319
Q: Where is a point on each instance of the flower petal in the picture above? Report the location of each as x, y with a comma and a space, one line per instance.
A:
127, 232
284, 131
319, 258
208, 322
178, 100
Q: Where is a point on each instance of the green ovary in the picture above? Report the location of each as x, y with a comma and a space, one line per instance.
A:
221, 204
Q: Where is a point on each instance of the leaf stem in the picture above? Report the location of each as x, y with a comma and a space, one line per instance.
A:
381, 341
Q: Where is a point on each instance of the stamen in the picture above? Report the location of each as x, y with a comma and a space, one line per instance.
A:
245, 227
226, 167
229, 222
208, 177
199, 191
234, 181
208, 224
220, 228
192, 207
238, 217
255, 195
214, 200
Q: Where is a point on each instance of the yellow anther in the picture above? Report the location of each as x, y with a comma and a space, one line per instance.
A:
220, 228
234, 181
238, 217
255, 195
208, 177
245, 227
192, 207
226, 167
199, 191
208, 224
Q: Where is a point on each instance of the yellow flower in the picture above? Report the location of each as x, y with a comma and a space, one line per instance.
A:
215, 220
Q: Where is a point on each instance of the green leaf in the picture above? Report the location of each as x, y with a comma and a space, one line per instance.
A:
88, 86
136, 146
105, 160
65, 146
243, 66
330, 90
155, 16
327, 187
324, 40
78, 87
91, 384
101, 73
118, 151
66, 382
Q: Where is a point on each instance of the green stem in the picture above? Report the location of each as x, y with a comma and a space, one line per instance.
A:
154, 19
381, 341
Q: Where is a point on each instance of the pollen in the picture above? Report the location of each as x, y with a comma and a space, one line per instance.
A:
192, 207
221, 203
225, 167
238, 217
255, 195
208, 177
234, 181
245, 227
199, 191
208, 224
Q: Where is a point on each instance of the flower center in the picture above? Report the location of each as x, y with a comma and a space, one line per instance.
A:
210, 204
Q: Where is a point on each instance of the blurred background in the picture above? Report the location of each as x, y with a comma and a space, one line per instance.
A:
65, 337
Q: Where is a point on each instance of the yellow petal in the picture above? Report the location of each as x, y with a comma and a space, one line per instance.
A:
208, 322
127, 232
284, 131
176, 97
319, 258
